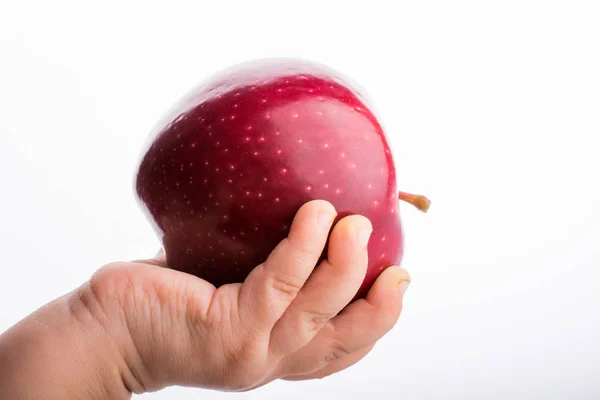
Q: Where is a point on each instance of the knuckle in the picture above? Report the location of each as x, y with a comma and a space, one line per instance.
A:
285, 286
337, 351
315, 320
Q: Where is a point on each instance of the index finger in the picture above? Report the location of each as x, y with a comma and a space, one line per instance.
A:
271, 287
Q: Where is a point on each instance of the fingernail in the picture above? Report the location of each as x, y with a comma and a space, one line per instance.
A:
324, 218
363, 234
403, 286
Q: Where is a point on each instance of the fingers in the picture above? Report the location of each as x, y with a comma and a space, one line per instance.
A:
329, 289
272, 286
359, 326
333, 367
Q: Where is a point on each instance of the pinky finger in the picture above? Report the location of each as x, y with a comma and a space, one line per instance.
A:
333, 367
358, 326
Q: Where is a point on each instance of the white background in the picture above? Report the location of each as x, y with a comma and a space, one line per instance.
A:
493, 110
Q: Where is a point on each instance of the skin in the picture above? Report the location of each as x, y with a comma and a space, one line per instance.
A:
138, 327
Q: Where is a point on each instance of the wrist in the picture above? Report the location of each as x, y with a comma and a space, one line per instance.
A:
62, 351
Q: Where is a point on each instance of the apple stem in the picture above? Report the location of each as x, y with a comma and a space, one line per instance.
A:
420, 202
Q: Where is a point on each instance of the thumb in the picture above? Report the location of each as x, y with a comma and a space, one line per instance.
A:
160, 256
159, 259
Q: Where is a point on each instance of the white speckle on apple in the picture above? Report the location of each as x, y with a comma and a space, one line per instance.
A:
225, 216
247, 139
268, 116
255, 153
235, 105
342, 155
263, 101
352, 166
231, 167
338, 191
321, 172
205, 162
308, 188
193, 145
383, 238
280, 90
262, 139
295, 115
300, 140
229, 181
278, 151
265, 179
260, 195
232, 116
284, 170
326, 186
370, 186
326, 145
277, 200
247, 193
277, 133
375, 203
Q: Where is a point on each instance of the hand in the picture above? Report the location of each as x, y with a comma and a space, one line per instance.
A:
284, 322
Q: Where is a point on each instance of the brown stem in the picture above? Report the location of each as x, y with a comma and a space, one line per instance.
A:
417, 200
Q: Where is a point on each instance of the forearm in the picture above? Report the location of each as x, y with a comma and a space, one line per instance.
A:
60, 352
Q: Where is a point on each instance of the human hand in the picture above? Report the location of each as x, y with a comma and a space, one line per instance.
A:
285, 321
288, 320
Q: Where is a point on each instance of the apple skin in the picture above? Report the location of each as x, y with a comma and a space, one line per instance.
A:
228, 167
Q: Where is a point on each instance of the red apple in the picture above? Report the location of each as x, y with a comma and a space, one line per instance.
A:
227, 169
